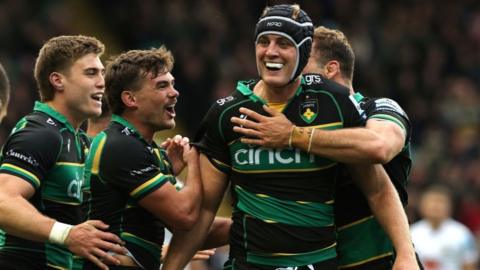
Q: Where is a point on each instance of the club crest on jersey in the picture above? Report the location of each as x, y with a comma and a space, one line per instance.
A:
309, 110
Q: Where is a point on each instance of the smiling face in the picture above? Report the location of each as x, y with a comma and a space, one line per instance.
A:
276, 58
155, 102
83, 87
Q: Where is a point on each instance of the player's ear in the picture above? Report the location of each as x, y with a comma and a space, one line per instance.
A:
56, 80
332, 69
128, 98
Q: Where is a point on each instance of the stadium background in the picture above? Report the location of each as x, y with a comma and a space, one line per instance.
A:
424, 54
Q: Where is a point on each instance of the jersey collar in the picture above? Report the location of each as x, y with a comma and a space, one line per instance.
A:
357, 96
244, 88
45, 108
122, 121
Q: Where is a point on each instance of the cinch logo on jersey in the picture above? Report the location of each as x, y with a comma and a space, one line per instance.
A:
269, 156
75, 188
245, 158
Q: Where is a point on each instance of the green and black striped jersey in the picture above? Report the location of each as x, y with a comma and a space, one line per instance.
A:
47, 152
362, 243
121, 169
283, 198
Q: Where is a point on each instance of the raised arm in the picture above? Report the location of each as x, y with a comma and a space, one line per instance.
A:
185, 244
379, 142
387, 208
178, 209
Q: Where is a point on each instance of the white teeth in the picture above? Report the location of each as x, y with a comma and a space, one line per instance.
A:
274, 65
97, 96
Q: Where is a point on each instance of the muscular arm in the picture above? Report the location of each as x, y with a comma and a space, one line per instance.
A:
20, 218
378, 142
17, 215
387, 208
219, 233
178, 209
185, 244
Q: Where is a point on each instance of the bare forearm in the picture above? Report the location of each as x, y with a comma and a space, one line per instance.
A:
192, 191
184, 244
17, 216
352, 145
219, 233
388, 210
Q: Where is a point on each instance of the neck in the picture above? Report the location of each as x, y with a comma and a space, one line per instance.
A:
96, 126
69, 114
435, 223
345, 82
142, 128
276, 94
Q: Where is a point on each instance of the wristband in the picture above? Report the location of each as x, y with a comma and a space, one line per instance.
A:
59, 233
291, 136
310, 140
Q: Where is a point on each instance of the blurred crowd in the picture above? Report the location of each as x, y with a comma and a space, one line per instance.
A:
424, 54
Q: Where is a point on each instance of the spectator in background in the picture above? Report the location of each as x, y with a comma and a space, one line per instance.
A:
441, 242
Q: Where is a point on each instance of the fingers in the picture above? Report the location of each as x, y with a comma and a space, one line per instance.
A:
105, 257
111, 238
251, 114
244, 122
271, 111
166, 143
252, 141
97, 224
97, 262
247, 131
203, 254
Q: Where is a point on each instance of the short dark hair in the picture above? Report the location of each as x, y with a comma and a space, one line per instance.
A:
58, 54
331, 44
4, 92
127, 71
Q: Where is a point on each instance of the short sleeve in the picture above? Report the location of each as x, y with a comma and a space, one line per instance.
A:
30, 153
129, 165
388, 110
210, 139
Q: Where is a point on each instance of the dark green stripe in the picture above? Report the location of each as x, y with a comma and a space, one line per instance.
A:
292, 260
362, 242
34, 182
388, 118
270, 209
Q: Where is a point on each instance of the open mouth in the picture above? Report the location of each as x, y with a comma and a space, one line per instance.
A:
273, 66
170, 110
97, 97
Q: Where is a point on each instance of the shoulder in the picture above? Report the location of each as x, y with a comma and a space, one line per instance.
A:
316, 82
457, 228
121, 140
383, 104
223, 105
36, 135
